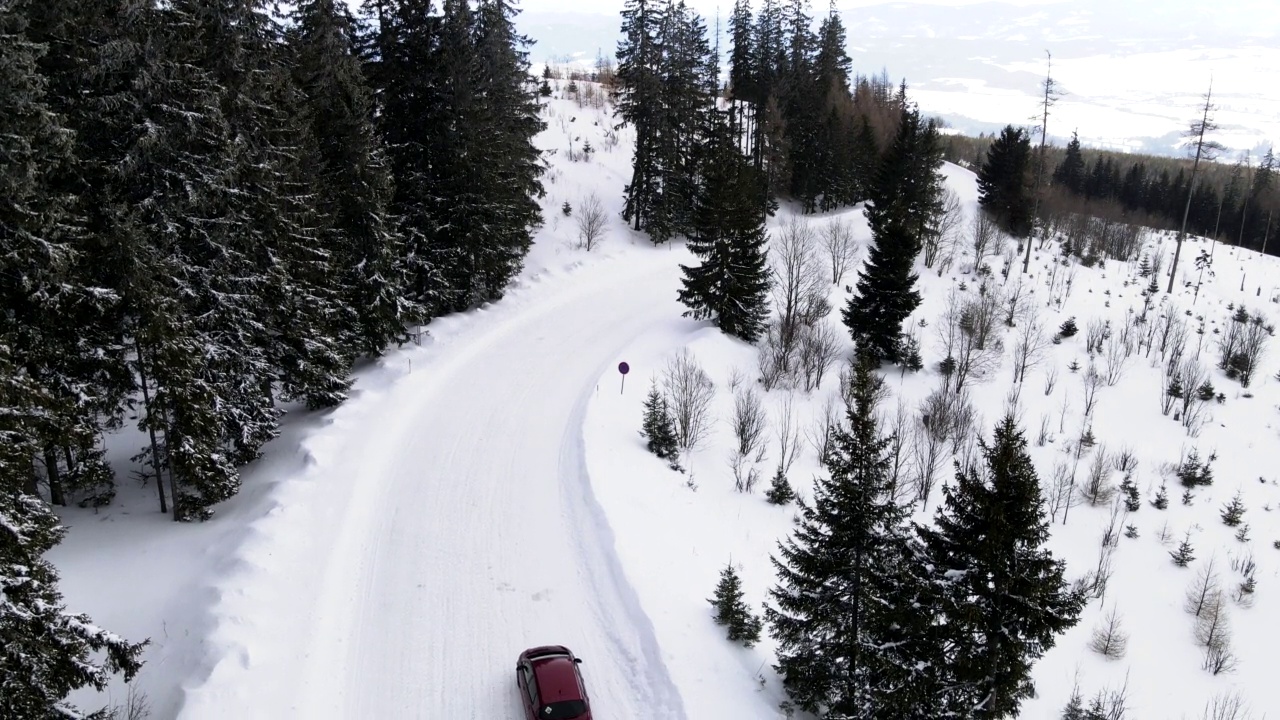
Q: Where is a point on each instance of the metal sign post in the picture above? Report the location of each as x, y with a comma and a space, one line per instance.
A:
623, 368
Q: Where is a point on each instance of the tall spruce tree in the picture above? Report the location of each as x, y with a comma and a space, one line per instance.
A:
412, 111
852, 639
1070, 173
639, 103
353, 179
1004, 182
731, 284
905, 205
509, 164
1001, 597
48, 652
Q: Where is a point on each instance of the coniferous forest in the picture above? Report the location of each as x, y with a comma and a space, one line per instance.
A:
208, 211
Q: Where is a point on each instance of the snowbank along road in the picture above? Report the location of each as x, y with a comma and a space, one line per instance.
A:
466, 531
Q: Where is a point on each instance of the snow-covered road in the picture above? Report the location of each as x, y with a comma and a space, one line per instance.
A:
456, 526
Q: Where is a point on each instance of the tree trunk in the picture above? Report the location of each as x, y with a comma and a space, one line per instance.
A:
1191, 190
151, 431
53, 476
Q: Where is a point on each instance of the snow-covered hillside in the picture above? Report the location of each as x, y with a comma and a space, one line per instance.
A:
488, 491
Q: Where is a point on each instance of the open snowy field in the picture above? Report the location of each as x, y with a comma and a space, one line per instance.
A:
488, 490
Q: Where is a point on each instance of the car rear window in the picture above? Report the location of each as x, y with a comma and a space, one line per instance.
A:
563, 710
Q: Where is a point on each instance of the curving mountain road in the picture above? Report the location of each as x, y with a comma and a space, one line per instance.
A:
471, 531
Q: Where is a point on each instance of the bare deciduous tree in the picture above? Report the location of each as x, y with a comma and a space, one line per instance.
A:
948, 220
982, 236
897, 430
940, 419
1097, 488
841, 247
1028, 350
1213, 633
689, 391
799, 289
788, 433
1203, 149
819, 348
819, 432
1092, 383
749, 423
1109, 638
591, 219
970, 346
1202, 593
1227, 706
1061, 493
1243, 342
1115, 357
771, 357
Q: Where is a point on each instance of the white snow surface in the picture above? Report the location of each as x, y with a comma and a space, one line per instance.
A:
488, 491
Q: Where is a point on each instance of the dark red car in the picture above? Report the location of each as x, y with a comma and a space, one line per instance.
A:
551, 687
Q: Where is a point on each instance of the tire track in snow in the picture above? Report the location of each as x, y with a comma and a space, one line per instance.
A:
467, 531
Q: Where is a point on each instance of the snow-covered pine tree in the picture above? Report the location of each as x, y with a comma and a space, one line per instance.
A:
1162, 498
503, 151
1002, 596
905, 202
1132, 502
852, 640
353, 179
74, 349
732, 612
659, 429
1185, 553
48, 652
731, 284
1004, 182
780, 491
638, 103
1233, 512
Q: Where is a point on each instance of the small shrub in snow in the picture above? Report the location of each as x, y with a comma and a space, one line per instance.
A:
1162, 498
1187, 497
1243, 533
1068, 328
689, 392
1233, 511
780, 492
1227, 706
1132, 503
659, 429
1194, 473
1109, 639
1185, 554
566, 208
1203, 591
732, 612
1131, 532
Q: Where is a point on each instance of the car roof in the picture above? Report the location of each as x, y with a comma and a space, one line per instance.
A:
557, 677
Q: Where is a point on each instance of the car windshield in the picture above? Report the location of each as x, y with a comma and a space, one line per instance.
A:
563, 710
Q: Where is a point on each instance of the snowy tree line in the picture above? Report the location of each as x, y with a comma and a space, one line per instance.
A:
208, 210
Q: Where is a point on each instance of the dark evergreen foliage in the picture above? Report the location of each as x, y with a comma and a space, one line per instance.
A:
1004, 182
1068, 328
1233, 512
48, 651
780, 491
731, 285
1193, 472
905, 203
732, 612
1185, 554
1070, 173
353, 179
852, 639
1002, 596
659, 428
1162, 498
